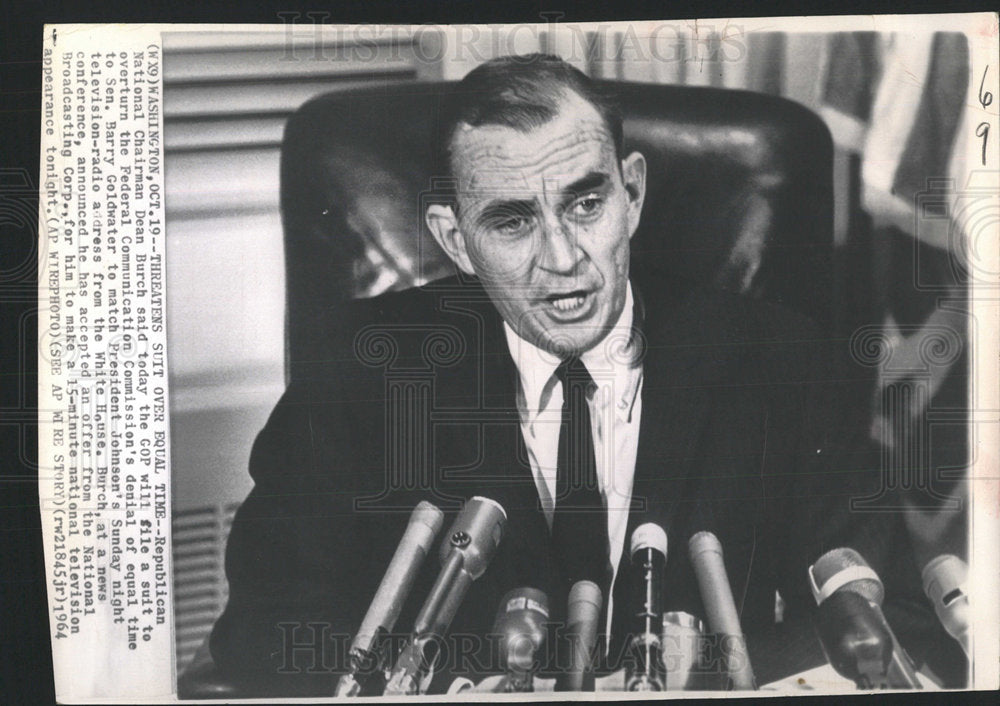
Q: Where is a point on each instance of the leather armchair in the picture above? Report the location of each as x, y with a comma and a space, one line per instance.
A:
739, 193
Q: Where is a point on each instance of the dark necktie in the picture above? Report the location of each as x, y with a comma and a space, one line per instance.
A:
580, 519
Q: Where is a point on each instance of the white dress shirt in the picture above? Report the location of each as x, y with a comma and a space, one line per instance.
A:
615, 409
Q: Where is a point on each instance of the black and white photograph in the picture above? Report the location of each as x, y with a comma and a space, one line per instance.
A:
606, 357
392, 252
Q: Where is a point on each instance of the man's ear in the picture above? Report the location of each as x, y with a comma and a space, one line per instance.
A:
634, 178
443, 225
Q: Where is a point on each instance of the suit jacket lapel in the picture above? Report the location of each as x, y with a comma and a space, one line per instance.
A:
675, 405
491, 445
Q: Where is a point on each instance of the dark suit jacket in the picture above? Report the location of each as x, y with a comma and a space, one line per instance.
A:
744, 431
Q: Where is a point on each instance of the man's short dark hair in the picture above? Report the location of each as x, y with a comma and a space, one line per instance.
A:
522, 92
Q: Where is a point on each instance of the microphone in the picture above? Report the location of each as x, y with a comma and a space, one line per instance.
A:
471, 544
723, 620
364, 656
649, 556
945, 578
683, 651
520, 623
583, 613
844, 570
856, 642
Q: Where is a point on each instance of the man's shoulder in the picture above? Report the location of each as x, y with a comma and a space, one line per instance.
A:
704, 310
394, 331
430, 303
728, 336
755, 318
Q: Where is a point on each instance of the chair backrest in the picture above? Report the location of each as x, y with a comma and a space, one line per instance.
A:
739, 194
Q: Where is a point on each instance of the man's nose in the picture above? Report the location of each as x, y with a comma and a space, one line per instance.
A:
560, 249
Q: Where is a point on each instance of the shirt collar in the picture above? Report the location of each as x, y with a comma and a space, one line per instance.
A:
608, 361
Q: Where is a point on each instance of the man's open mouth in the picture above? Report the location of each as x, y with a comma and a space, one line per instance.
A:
568, 301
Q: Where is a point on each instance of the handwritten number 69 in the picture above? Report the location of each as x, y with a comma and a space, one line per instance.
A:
983, 129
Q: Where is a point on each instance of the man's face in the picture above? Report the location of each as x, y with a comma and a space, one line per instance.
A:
544, 220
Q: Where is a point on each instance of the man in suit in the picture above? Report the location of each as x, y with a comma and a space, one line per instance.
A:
584, 392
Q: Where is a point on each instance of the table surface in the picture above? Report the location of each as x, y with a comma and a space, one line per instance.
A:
822, 679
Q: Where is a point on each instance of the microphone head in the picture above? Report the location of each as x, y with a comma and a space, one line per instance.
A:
944, 579
585, 599
649, 536
583, 610
844, 569
476, 533
523, 601
583, 613
520, 622
426, 521
702, 542
684, 652
856, 642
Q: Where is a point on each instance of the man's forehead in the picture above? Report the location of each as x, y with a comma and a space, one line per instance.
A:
494, 156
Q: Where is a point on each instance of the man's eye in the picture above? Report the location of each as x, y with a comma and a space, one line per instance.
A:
587, 206
510, 224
